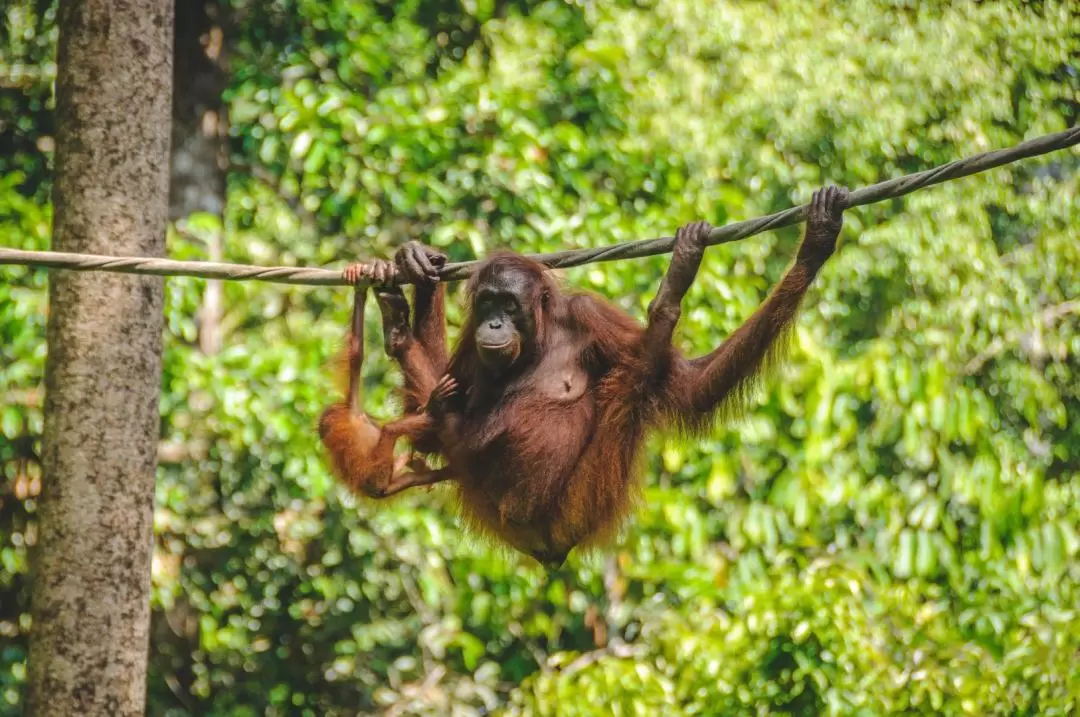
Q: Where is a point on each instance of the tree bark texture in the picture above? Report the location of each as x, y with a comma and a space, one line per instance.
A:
91, 590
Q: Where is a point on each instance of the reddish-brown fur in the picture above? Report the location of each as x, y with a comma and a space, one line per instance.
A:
545, 455
361, 451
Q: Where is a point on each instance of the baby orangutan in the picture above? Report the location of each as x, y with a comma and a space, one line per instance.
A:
361, 451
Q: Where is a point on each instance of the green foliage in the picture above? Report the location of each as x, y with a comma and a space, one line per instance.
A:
893, 528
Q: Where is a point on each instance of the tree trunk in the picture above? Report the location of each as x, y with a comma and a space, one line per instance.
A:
90, 603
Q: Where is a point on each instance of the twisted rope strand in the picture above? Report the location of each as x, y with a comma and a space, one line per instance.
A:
557, 260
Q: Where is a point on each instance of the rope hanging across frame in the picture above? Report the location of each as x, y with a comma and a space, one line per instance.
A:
628, 250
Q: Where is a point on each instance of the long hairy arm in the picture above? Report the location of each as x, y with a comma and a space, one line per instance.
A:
721, 382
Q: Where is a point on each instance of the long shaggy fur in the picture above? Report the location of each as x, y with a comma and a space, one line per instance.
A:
545, 476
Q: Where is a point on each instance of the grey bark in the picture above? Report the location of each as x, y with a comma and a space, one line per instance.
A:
91, 590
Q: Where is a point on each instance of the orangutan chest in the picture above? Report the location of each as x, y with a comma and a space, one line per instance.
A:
560, 377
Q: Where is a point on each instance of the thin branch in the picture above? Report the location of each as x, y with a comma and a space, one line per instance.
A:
1051, 314
628, 250
620, 651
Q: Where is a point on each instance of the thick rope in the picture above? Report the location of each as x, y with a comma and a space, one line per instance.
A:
628, 250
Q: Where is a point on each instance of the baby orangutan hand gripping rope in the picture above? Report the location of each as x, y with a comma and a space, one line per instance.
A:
550, 394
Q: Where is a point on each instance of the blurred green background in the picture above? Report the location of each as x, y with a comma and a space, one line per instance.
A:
893, 528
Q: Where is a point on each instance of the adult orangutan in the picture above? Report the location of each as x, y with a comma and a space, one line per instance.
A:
550, 394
